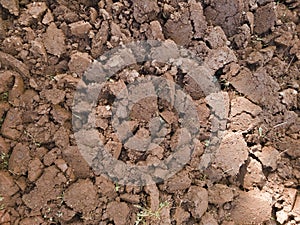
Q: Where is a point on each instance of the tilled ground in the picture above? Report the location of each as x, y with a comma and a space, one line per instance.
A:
252, 48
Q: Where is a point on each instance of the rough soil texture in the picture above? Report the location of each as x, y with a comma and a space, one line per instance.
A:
252, 47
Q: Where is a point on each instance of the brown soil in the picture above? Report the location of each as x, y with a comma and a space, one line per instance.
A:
252, 48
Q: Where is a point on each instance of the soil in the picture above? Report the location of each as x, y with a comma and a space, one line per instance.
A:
250, 47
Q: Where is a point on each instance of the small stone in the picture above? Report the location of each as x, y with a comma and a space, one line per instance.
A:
242, 38
93, 15
296, 49
118, 89
30, 35
140, 141
25, 19
104, 111
250, 18
263, 89
227, 206
219, 102
267, 54
143, 101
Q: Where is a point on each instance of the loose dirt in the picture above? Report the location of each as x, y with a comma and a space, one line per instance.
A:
251, 48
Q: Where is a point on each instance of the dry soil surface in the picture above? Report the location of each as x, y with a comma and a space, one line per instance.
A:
251, 47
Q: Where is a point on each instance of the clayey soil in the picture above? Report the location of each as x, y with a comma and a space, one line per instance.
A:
251, 47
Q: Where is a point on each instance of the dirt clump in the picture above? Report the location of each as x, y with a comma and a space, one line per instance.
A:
48, 187
145, 11
54, 40
8, 187
252, 207
220, 194
198, 199
226, 14
230, 160
118, 211
81, 196
11, 6
264, 18
179, 27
